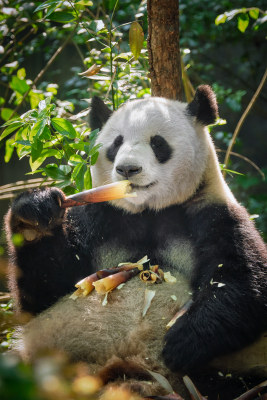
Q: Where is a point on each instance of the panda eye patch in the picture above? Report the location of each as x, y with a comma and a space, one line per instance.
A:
114, 148
161, 148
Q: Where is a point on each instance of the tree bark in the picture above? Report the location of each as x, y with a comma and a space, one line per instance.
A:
163, 48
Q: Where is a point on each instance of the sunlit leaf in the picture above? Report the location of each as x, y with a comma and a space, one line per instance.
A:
136, 38
9, 149
19, 85
64, 127
242, 22
6, 113
38, 128
94, 158
44, 155
87, 3
47, 4
75, 159
254, 13
36, 150
11, 128
221, 19
87, 179
78, 175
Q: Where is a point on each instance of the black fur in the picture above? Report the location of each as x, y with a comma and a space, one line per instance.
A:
204, 105
229, 289
228, 251
99, 113
114, 148
161, 148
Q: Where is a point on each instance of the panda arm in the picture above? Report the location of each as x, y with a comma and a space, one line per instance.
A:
229, 285
48, 262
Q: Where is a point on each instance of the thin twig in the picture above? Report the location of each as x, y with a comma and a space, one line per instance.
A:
245, 159
12, 49
42, 72
10, 190
78, 51
242, 119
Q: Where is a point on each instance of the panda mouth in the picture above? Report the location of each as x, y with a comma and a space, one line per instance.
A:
143, 187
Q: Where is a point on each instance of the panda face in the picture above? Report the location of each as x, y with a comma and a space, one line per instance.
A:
154, 143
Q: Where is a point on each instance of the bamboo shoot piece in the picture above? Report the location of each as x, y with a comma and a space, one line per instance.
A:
149, 295
109, 283
180, 313
85, 286
113, 191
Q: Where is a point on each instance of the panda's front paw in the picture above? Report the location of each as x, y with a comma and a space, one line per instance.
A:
35, 213
184, 350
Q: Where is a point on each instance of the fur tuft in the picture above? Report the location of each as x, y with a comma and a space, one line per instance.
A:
99, 113
204, 106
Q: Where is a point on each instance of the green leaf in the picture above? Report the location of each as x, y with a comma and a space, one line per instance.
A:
95, 149
38, 129
136, 38
6, 113
9, 149
94, 158
79, 178
61, 16
88, 179
10, 129
66, 169
242, 22
24, 142
23, 133
47, 4
54, 172
86, 3
36, 150
64, 127
21, 73
75, 159
35, 98
220, 19
46, 134
52, 8
254, 13
19, 85
76, 170
44, 155
64, 183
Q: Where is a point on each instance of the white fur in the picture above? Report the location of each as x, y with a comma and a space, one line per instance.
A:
193, 159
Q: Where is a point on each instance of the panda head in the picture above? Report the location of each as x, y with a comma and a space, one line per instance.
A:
160, 145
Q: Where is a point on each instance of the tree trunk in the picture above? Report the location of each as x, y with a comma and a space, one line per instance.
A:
163, 48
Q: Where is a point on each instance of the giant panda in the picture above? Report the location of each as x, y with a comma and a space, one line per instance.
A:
185, 219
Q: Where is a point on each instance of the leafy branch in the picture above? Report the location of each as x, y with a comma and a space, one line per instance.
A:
39, 135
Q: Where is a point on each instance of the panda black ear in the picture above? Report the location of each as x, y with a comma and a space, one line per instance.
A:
204, 105
99, 113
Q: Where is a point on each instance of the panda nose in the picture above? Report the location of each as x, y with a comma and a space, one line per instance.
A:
128, 170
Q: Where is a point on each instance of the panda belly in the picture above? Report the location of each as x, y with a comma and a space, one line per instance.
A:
162, 236
86, 330
178, 255
175, 255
